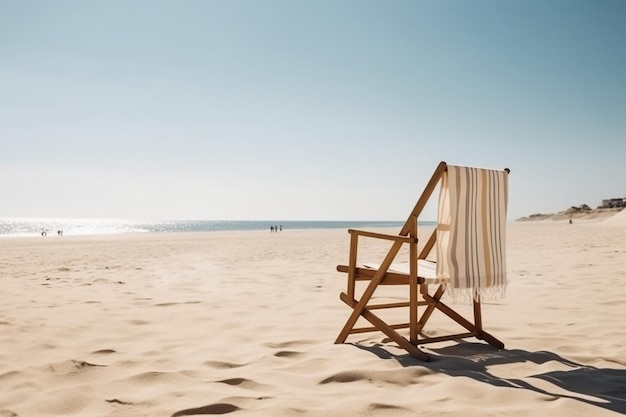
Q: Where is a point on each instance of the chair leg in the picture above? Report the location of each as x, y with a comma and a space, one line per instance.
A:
369, 291
478, 317
483, 335
431, 306
414, 328
395, 336
379, 324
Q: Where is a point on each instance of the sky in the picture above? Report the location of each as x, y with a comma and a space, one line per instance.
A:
305, 110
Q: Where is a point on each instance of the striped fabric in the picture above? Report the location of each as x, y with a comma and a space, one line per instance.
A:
471, 230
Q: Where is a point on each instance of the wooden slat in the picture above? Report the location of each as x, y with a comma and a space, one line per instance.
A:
428, 190
374, 329
390, 278
445, 338
352, 302
354, 245
381, 306
376, 235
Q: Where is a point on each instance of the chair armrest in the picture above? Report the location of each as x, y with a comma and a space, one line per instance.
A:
397, 238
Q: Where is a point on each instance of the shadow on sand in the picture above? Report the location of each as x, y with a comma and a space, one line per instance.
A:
600, 387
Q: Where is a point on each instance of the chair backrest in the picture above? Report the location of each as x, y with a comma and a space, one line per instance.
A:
471, 229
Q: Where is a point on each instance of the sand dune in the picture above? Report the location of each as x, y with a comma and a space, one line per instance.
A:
243, 324
617, 220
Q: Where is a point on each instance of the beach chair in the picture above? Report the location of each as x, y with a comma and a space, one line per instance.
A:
469, 263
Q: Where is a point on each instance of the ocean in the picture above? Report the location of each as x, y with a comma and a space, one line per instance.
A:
25, 227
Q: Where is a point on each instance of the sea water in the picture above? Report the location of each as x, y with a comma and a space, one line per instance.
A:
24, 227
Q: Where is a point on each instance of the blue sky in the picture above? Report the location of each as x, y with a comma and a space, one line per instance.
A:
305, 110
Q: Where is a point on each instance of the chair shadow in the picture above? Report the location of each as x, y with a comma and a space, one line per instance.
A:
600, 387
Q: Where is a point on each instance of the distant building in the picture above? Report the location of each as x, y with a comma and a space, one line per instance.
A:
613, 203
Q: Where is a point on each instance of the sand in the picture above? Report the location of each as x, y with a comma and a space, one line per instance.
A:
244, 323
618, 219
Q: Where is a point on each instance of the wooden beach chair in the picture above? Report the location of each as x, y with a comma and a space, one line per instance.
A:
470, 260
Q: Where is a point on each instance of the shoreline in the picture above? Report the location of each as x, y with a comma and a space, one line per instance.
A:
185, 234
81, 227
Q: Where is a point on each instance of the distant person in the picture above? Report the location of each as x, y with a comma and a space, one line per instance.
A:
570, 221
43, 233
281, 228
272, 229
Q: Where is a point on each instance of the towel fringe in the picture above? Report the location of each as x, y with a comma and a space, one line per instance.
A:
468, 295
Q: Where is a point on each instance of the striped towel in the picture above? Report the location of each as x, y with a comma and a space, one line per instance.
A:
471, 231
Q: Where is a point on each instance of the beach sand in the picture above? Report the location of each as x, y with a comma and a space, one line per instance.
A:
243, 323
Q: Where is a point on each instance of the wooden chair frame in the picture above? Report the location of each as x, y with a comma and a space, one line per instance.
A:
417, 286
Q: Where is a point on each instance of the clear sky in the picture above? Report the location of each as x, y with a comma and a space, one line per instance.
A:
305, 110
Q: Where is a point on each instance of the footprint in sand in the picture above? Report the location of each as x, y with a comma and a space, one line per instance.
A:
71, 366
383, 407
235, 381
218, 408
291, 343
223, 365
288, 354
104, 351
343, 377
246, 384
